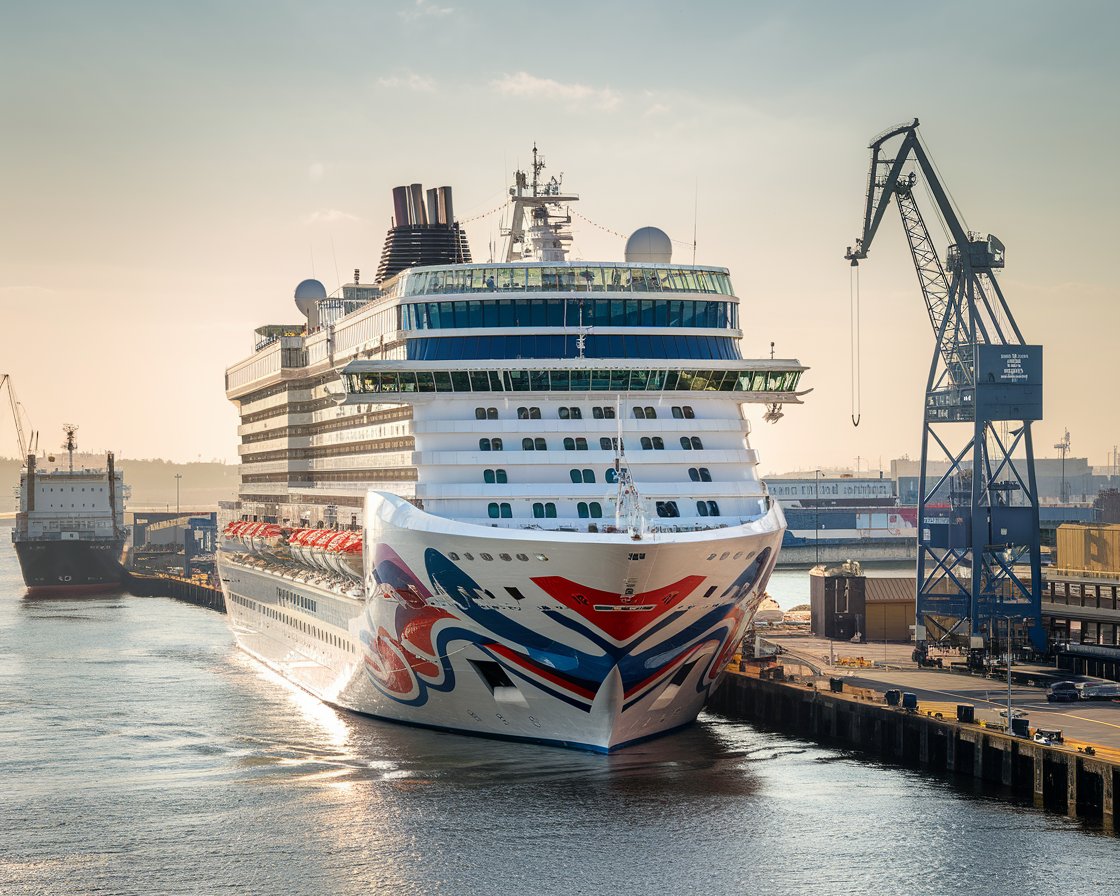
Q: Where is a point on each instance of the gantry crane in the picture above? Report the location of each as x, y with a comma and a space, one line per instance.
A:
978, 535
17, 416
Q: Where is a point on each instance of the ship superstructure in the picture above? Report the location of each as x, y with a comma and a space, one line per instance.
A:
69, 533
544, 467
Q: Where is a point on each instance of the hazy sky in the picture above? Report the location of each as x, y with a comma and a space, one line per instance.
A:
170, 171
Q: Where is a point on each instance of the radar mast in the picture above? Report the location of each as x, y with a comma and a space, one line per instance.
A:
546, 236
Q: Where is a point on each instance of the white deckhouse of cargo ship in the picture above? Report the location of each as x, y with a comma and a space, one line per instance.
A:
514, 499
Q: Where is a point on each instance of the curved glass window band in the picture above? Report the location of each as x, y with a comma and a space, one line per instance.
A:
535, 312
583, 380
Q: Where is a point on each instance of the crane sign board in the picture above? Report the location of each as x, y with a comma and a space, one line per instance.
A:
1009, 382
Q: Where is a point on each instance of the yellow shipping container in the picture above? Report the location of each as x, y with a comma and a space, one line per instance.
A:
1093, 549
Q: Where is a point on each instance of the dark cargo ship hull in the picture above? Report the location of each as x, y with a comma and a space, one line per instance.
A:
71, 565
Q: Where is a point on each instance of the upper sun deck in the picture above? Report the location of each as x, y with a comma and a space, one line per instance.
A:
569, 276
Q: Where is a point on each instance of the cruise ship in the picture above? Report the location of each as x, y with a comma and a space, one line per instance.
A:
514, 499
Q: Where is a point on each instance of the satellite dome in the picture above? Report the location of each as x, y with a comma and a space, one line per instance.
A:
650, 245
308, 293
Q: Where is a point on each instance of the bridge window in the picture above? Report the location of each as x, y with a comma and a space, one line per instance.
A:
544, 511
667, 509
702, 508
588, 475
602, 413
494, 477
495, 510
528, 413
612, 474
689, 444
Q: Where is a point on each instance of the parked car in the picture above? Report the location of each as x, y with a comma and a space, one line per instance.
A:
1101, 691
1062, 692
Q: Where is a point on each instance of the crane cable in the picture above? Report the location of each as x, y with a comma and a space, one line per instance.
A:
853, 299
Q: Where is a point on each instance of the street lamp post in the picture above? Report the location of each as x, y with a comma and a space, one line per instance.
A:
816, 517
178, 476
1009, 725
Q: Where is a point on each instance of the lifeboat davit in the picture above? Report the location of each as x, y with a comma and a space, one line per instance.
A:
330, 550
345, 554
257, 539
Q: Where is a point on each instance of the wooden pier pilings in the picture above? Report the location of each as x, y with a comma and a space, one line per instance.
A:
172, 586
1061, 779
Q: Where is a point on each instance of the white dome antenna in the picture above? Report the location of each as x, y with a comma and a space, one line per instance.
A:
649, 245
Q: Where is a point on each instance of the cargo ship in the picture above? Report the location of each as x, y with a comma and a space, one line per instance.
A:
69, 533
515, 499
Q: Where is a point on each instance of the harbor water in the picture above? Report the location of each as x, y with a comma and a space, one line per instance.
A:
141, 753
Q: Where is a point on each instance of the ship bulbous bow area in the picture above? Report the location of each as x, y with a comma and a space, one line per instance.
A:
589, 640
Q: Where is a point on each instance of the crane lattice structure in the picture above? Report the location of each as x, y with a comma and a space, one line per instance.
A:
978, 534
25, 444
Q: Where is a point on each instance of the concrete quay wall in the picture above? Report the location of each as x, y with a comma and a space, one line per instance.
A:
180, 589
1056, 778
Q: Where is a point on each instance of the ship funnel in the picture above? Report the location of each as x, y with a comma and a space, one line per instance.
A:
416, 205
433, 207
446, 213
400, 207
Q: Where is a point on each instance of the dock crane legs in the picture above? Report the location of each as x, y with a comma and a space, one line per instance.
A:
978, 535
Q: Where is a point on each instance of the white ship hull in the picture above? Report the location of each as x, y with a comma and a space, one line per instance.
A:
586, 640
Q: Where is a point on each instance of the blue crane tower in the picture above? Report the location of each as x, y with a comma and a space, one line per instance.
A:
978, 534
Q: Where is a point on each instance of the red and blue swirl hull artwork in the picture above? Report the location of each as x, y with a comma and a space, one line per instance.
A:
582, 640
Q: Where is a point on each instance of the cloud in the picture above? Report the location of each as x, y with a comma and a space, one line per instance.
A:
422, 9
409, 81
525, 86
330, 216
